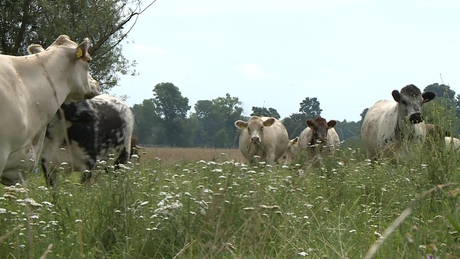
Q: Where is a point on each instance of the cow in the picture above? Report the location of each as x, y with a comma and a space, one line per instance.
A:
32, 88
452, 143
88, 131
390, 126
265, 137
318, 138
291, 151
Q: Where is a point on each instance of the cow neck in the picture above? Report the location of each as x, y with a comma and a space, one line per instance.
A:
404, 129
49, 96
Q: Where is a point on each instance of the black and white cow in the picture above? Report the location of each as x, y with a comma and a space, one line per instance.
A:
82, 133
389, 126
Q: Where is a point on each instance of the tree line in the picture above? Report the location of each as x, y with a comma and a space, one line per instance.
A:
167, 119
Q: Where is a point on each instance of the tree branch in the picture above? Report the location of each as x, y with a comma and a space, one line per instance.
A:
101, 41
22, 29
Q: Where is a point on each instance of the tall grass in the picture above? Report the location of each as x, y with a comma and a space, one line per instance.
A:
222, 208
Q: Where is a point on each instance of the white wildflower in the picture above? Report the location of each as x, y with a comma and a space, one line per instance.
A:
32, 202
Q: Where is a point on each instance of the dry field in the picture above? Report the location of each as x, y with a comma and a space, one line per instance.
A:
190, 154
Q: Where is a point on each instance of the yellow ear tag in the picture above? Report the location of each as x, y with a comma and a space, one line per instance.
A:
79, 53
243, 127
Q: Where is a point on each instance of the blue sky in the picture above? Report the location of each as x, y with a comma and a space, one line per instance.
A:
348, 54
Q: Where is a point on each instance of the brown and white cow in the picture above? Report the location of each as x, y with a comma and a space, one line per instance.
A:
389, 126
318, 138
262, 136
32, 88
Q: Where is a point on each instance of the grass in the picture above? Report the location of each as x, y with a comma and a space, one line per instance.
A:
206, 203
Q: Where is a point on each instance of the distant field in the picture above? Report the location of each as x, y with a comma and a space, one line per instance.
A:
190, 154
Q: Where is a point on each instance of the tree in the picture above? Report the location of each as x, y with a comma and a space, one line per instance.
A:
295, 124
310, 107
216, 120
441, 91
171, 105
270, 112
106, 23
147, 123
443, 110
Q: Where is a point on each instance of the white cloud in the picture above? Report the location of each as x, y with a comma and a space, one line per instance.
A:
255, 71
147, 49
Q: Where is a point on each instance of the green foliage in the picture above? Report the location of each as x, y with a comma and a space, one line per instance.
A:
172, 108
441, 91
349, 132
224, 209
217, 118
105, 23
270, 112
147, 122
295, 124
310, 107
442, 111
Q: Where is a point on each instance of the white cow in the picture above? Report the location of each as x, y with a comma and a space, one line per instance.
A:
453, 143
262, 136
318, 137
32, 88
389, 126
292, 150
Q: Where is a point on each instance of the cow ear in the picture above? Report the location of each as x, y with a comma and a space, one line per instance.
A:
268, 122
396, 95
310, 123
35, 48
331, 124
428, 96
295, 140
241, 124
82, 51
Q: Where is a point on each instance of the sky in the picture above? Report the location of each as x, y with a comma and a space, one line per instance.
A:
348, 54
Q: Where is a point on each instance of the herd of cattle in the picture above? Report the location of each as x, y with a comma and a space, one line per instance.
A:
55, 113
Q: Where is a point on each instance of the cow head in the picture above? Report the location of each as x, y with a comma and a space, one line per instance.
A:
410, 101
255, 127
292, 150
319, 128
65, 52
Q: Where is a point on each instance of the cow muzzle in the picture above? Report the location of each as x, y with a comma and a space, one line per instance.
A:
416, 118
255, 140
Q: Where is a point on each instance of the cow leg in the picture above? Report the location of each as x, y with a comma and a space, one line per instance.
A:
87, 175
123, 158
50, 175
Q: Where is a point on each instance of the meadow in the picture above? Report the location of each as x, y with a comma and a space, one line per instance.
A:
207, 203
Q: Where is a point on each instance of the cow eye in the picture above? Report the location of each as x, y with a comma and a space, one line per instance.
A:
261, 127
